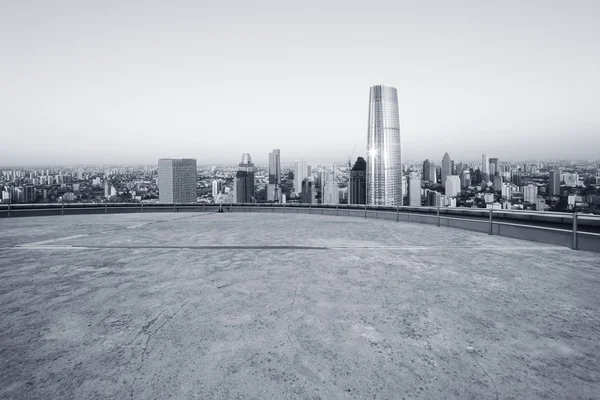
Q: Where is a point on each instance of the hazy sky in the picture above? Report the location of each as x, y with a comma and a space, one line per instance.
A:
133, 81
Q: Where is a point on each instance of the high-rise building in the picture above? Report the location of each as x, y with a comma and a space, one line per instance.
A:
243, 188
29, 193
493, 167
434, 199
427, 171
446, 168
274, 187
452, 185
216, 188
384, 161
107, 189
414, 190
554, 183
465, 179
177, 180
357, 186
485, 169
497, 183
530, 193
300, 173
331, 193
308, 191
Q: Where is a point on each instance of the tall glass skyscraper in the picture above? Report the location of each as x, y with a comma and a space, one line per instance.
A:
243, 189
177, 180
384, 161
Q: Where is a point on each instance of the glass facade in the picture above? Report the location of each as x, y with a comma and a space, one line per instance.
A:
177, 180
384, 160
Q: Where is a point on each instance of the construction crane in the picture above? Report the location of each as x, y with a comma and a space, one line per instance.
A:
350, 158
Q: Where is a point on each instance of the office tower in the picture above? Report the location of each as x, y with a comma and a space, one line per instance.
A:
452, 185
426, 171
243, 187
384, 163
485, 169
452, 168
217, 186
357, 186
177, 180
497, 183
507, 190
331, 193
530, 193
465, 179
414, 190
554, 183
515, 176
300, 173
274, 187
29, 193
459, 169
446, 168
434, 199
308, 191
494, 167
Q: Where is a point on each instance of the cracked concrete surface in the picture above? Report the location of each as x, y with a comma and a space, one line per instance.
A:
255, 306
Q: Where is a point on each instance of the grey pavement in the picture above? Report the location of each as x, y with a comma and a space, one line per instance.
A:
259, 306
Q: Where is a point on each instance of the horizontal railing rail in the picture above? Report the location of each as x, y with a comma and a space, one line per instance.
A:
578, 231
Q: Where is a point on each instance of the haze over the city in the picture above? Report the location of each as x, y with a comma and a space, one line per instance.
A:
131, 82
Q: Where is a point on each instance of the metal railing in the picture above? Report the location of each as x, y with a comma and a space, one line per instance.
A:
573, 230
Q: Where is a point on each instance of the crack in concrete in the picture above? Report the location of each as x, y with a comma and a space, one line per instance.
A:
287, 333
145, 348
488, 375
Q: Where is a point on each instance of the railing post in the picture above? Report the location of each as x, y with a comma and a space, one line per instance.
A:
142, 208
365, 210
491, 226
8, 210
438, 216
397, 213
575, 247
310, 208
337, 210
105, 208
258, 207
202, 207
174, 209
62, 208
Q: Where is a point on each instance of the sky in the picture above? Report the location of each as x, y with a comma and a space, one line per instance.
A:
133, 81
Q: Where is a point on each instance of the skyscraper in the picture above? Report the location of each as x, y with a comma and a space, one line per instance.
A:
308, 191
384, 163
452, 185
494, 167
216, 188
243, 188
300, 173
331, 193
446, 168
414, 190
274, 187
358, 182
485, 169
426, 171
554, 183
177, 180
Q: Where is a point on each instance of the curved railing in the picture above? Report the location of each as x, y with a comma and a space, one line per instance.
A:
573, 230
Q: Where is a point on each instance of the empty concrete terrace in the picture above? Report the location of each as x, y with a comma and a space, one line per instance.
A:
255, 306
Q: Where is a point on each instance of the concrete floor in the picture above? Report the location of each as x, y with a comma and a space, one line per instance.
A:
256, 306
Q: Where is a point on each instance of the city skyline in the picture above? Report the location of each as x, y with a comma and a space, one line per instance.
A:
94, 84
